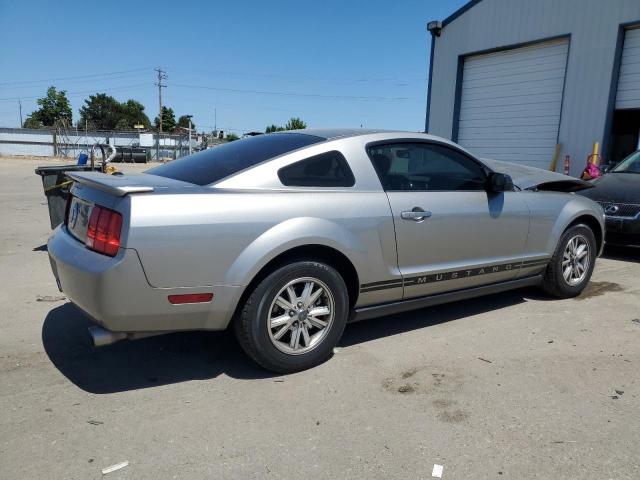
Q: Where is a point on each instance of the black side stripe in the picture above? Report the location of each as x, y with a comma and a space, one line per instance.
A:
451, 275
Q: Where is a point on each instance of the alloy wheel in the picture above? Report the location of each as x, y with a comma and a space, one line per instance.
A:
300, 315
576, 260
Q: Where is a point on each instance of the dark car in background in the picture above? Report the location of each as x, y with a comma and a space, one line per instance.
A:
618, 191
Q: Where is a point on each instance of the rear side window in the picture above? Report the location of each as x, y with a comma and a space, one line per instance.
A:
325, 170
210, 166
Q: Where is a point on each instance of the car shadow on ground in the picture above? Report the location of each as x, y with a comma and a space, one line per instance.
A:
143, 363
368, 330
180, 357
622, 253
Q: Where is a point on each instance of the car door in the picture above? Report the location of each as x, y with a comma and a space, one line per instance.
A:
451, 233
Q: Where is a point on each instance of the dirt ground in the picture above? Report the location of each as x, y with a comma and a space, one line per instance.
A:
515, 385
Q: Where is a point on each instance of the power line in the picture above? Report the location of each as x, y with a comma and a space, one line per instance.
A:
297, 78
291, 94
72, 94
93, 75
64, 83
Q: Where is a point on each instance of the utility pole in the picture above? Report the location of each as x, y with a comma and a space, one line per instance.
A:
189, 117
161, 76
215, 120
20, 106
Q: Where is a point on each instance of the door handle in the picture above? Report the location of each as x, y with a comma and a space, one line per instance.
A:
416, 214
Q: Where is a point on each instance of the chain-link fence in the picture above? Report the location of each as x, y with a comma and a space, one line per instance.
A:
70, 143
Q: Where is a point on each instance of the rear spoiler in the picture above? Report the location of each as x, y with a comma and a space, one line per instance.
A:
118, 185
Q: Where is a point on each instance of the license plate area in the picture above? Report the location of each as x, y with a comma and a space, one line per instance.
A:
79, 214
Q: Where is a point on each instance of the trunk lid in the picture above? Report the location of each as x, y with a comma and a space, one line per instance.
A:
121, 185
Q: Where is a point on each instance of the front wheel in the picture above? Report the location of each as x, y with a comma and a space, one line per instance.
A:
572, 264
294, 317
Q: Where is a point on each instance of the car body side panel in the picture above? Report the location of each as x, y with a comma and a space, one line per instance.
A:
225, 238
465, 233
552, 213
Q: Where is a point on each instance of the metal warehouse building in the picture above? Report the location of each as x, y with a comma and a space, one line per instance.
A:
510, 79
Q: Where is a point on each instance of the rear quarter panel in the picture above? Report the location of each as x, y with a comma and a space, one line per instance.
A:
226, 237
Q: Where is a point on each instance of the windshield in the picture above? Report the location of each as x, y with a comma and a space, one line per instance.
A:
212, 165
631, 164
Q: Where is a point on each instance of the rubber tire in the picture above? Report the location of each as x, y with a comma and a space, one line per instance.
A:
553, 282
251, 326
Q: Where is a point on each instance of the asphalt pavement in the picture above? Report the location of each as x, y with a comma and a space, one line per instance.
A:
515, 385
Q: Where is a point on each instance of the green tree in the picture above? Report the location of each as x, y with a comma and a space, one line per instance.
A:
295, 123
132, 112
273, 128
103, 112
100, 111
53, 108
231, 137
183, 121
168, 120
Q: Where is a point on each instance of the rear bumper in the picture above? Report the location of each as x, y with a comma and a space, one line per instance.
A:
624, 231
115, 293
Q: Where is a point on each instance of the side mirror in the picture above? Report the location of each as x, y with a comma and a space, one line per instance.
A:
500, 182
605, 168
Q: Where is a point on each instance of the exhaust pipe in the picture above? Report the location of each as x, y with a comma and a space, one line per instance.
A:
102, 336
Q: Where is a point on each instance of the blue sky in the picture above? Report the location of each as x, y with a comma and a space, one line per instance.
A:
332, 63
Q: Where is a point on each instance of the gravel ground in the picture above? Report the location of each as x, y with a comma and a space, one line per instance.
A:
510, 386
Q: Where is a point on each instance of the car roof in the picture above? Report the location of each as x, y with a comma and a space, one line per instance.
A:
334, 133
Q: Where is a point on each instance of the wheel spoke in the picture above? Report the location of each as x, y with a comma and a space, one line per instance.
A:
316, 322
281, 320
306, 293
314, 296
293, 298
319, 311
567, 273
278, 335
295, 338
285, 304
305, 335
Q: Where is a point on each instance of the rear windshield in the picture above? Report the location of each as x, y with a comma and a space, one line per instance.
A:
210, 166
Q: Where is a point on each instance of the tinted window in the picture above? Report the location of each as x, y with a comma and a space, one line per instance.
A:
425, 167
325, 170
631, 164
212, 165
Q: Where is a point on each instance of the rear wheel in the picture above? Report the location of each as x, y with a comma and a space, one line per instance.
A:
294, 317
572, 264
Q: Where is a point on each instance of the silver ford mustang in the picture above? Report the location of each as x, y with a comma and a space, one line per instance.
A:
289, 236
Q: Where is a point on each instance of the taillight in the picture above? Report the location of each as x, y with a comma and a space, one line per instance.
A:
67, 209
103, 231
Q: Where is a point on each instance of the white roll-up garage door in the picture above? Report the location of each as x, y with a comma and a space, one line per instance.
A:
511, 102
628, 95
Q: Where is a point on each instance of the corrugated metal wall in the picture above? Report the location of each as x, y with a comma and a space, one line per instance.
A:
593, 26
629, 82
510, 103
